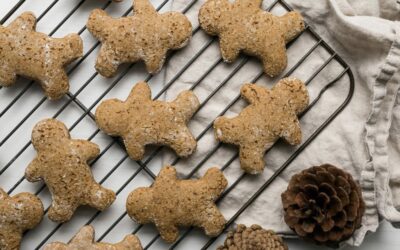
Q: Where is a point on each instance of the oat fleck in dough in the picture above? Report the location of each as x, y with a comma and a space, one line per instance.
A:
34, 55
271, 114
147, 36
84, 240
244, 26
140, 121
170, 203
61, 162
19, 213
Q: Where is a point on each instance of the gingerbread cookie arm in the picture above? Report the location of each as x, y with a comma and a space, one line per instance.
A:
85, 234
95, 24
166, 174
99, 197
107, 63
255, 3
130, 242
187, 104
3, 194
251, 158
292, 24
292, 133
136, 146
32, 172
252, 92
143, 7
141, 92
26, 21
86, 149
229, 47
216, 182
228, 129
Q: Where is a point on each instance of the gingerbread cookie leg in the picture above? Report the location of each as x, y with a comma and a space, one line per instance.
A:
185, 145
100, 198
7, 75
61, 210
251, 158
216, 223
154, 61
217, 183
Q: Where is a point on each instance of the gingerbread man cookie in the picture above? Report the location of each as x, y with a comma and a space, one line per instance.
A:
244, 26
147, 36
141, 121
31, 54
170, 203
84, 240
17, 214
61, 163
271, 114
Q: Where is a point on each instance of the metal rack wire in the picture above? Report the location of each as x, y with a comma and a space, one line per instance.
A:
73, 99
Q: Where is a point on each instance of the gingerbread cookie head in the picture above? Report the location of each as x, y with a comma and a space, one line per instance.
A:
272, 114
17, 214
179, 30
244, 26
62, 163
47, 133
140, 121
146, 36
294, 91
212, 20
36, 56
171, 202
111, 117
84, 239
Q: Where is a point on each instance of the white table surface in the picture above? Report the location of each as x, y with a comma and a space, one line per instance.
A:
387, 238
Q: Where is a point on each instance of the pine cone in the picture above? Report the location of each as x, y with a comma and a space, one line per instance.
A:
323, 204
252, 238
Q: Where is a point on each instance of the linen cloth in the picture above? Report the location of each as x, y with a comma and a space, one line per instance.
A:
364, 139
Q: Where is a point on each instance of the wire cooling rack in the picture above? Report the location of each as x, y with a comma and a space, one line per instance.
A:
24, 105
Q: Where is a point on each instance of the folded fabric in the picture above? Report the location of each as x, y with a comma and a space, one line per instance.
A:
364, 139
